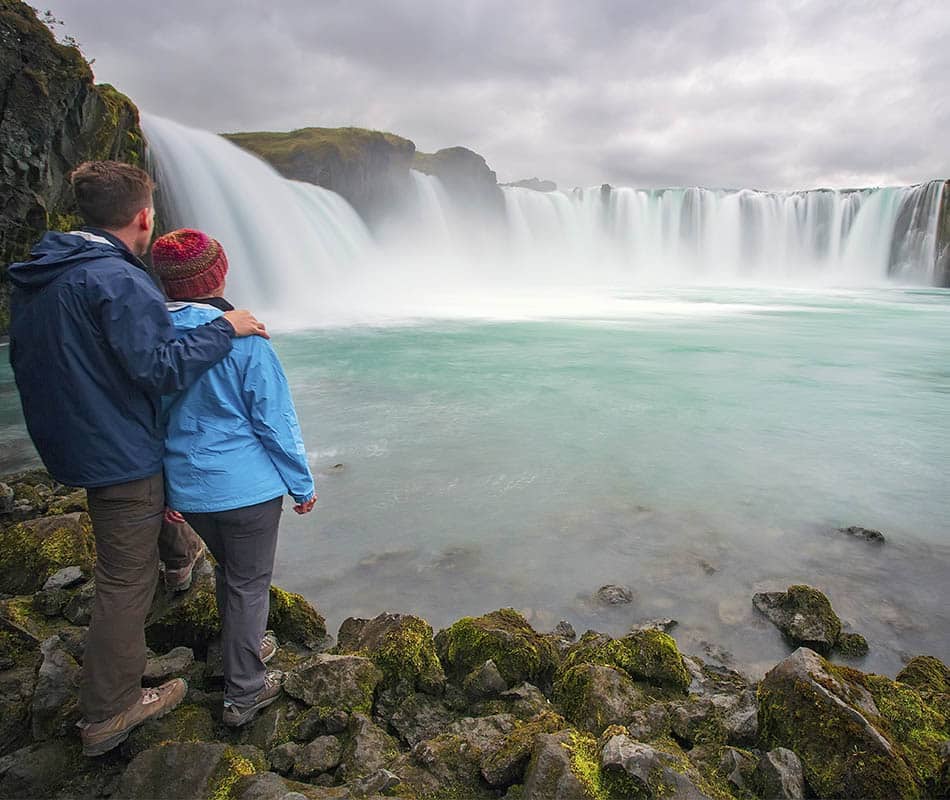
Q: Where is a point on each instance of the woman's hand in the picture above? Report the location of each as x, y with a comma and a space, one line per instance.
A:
307, 506
173, 517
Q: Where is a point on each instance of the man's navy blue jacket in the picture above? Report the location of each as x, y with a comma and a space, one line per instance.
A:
93, 349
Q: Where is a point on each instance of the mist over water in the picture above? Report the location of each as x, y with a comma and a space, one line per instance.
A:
685, 391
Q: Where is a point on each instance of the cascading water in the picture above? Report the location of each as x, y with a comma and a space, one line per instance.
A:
302, 251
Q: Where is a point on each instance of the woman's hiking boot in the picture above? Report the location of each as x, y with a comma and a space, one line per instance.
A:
101, 737
269, 646
235, 716
179, 580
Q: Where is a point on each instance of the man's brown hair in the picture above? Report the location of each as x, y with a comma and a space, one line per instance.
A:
109, 193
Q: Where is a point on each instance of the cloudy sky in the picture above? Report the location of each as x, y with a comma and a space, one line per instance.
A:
773, 95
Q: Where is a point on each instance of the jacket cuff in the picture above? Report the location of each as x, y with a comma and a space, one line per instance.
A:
223, 325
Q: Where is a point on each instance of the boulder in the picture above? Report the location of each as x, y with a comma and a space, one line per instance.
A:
293, 619
525, 701
829, 718
380, 782
803, 615
79, 608
322, 755
401, 645
16, 697
33, 551
505, 765
313, 722
55, 707
176, 771
65, 578
46, 769
454, 757
504, 636
187, 723
51, 602
613, 595
185, 619
867, 534
368, 748
737, 767
283, 757
778, 774
564, 631
558, 771
633, 769
337, 683
646, 655
852, 645
420, 716
593, 696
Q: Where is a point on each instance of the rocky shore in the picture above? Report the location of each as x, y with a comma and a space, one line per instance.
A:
487, 708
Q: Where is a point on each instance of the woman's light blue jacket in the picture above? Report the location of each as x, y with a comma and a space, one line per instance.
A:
232, 437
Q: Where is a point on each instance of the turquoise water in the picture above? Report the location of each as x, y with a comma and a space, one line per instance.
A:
699, 447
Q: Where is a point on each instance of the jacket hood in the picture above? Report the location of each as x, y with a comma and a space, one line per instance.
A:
56, 253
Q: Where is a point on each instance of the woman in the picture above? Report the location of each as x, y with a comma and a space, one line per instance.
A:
233, 449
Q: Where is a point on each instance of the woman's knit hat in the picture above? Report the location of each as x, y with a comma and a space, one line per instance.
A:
189, 262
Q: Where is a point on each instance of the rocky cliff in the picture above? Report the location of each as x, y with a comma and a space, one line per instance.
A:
942, 269
369, 168
469, 181
52, 117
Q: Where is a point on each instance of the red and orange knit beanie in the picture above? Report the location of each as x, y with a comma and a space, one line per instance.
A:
189, 262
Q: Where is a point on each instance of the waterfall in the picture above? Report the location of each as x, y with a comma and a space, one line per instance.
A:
292, 247
302, 254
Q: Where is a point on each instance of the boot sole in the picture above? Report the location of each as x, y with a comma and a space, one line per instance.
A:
103, 747
252, 712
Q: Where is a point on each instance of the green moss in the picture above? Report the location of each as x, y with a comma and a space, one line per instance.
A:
926, 672
190, 619
293, 619
519, 743
232, 768
852, 645
797, 715
20, 611
505, 637
283, 150
585, 764
117, 135
650, 656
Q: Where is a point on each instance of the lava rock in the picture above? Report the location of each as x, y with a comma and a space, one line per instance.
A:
172, 664
867, 534
340, 683
614, 595
55, 707
779, 774
594, 696
79, 609
65, 578
321, 755
484, 682
654, 772
803, 614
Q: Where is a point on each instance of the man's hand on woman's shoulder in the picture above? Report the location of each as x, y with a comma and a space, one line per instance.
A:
307, 506
245, 323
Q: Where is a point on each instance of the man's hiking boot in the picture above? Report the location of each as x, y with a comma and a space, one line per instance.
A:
235, 716
179, 580
268, 646
101, 737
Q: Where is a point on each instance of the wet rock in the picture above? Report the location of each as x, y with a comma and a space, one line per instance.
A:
867, 534
594, 696
55, 707
649, 656
32, 551
380, 782
172, 664
16, 696
664, 625
321, 755
564, 630
505, 765
649, 723
79, 609
550, 774
803, 614
65, 578
520, 653
824, 714
368, 749
183, 770
647, 771
852, 645
401, 645
526, 701
283, 757
613, 595
484, 682
420, 717
340, 683
779, 774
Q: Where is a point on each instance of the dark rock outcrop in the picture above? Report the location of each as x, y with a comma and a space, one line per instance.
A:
467, 178
52, 117
535, 184
942, 266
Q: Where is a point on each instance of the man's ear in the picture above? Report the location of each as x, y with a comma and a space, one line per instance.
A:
144, 218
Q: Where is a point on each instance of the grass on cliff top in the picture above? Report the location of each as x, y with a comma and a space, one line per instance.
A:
349, 143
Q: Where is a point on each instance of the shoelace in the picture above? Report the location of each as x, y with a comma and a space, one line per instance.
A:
150, 696
272, 679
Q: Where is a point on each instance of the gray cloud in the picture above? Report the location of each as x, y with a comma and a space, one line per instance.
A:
718, 93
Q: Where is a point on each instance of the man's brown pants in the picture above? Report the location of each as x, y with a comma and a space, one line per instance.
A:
131, 536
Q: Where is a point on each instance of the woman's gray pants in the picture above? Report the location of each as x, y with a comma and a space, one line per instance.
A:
243, 542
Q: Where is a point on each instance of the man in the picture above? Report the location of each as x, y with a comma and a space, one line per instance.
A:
93, 349
233, 450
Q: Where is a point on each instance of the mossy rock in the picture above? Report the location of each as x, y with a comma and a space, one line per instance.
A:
187, 619
504, 636
187, 723
646, 655
31, 551
506, 765
830, 719
335, 683
68, 503
594, 696
401, 645
804, 615
293, 619
926, 673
